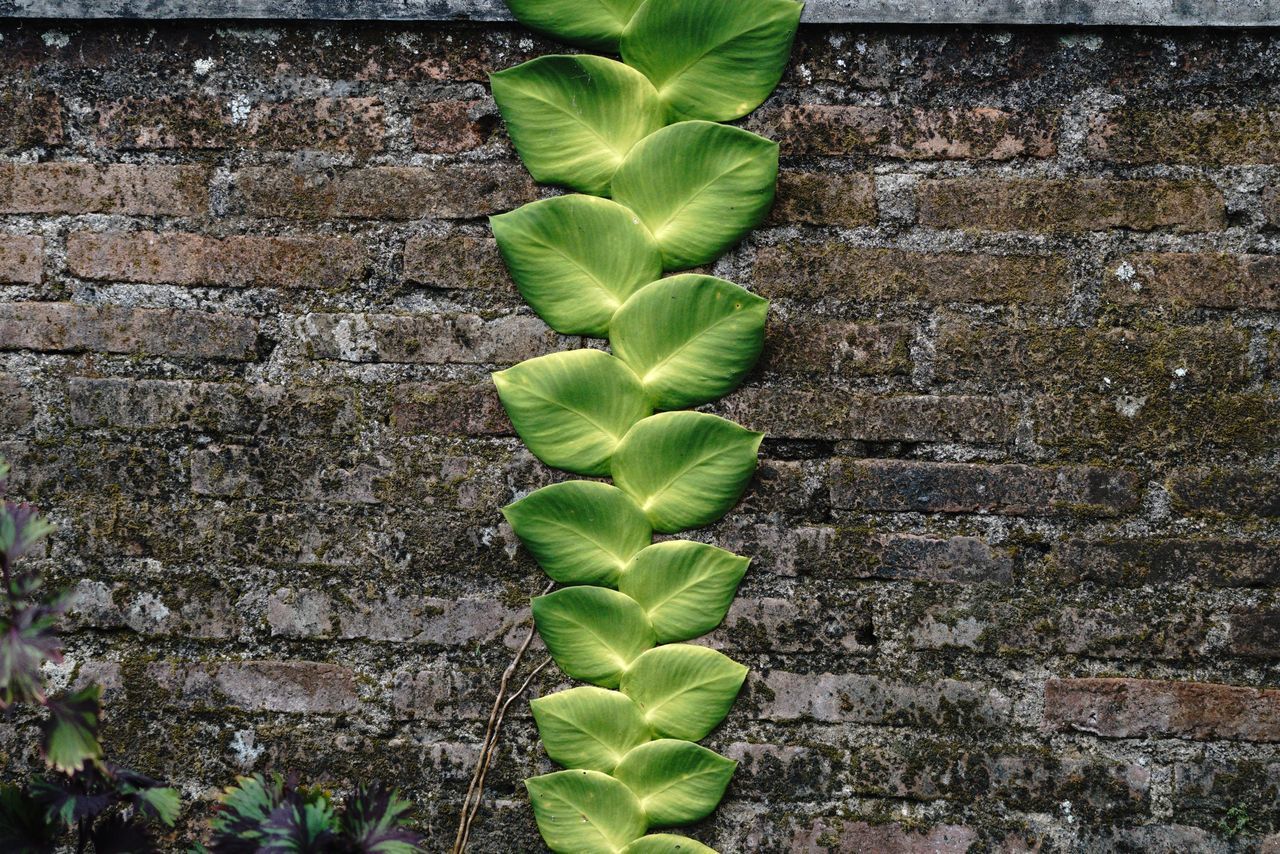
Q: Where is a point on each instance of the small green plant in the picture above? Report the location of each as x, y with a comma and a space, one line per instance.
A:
1235, 822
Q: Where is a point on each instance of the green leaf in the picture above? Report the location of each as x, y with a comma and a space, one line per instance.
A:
685, 469
70, 740
714, 59
573, 408
699, 187
581, 532
585, 812
595, 24
682, 690
574, 118
592, 633
689, 338
576, 259
667, 843
589, 727
161, 802
685, 588
677, 782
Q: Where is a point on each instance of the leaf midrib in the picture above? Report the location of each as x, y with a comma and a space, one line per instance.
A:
706, 330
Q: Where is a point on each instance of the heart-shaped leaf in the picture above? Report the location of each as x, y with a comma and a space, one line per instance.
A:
574, 118
677, 782
595, 24
576, 259
714, 59
682, 690
589, 727
667, 843
580, 532
585, 812
593, 634
573, 408
685, 588
689, 338
699, 187
685, 469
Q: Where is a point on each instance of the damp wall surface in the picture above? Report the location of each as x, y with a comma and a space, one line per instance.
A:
1016, 532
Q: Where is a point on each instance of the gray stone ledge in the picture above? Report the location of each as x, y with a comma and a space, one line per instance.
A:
1181, 13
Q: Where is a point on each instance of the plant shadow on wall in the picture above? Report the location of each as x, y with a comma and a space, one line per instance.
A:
83, 802
660, 187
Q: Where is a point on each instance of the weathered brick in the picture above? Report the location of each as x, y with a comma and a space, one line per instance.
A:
15, 404
825, 198
305, 475
1137, 563
948, 559
53, 326
466, 339
449, 409
1189, 279
836, 269
979, 133
457, 262
837, 836
1067, 205
21, 259
192, 259
1254, 632
185, 612
29, 118
443, 692
449, 191
450, 127
47, 473
901, 486
1205, 790
308, 687
829, 346
1136, 708
771, 624
854, 698
1234, 492
79, 188
1210, 137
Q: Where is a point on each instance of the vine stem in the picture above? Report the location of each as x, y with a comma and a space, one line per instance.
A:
501, 702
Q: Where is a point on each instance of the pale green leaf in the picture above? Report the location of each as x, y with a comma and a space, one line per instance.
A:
595, 24
685, 469
677, 782
667, 843
589, 727
685, 588
713, 59
580, 532
573, 408
593, 633
574, 118
689, 338
682, 690
576, 259
585, 812
699, 187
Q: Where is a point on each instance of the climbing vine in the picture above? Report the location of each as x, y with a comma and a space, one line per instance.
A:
660, 187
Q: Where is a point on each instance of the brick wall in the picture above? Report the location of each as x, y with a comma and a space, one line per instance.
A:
1017, 529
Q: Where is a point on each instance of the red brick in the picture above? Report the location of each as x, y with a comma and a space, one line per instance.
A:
307, 687
1137, 563
845, 199
448, 191
449, 409
21, 259
978, 133
1081, 204
29, 118
464, 339
192, 259
52, 326
837, 836
836, 269
450, 127
907, 486
15, 404
1204, 137
1187, 279
1232, 492
1138, 708
457, 262
76, 188
164, 122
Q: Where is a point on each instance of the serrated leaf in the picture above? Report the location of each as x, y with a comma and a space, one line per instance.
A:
573, 408
592, 633
685, 469
689, 338
576, 259
585, 812
714, 59
596, 24
70, 740
677, 782
698, 187
685, 588
376, 822
667, 843
580, 532
589, 727
25, 826
682, 690
574, 118
159, 802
